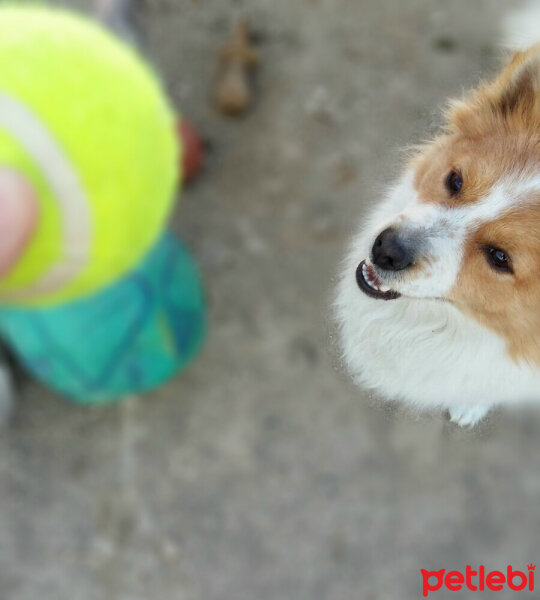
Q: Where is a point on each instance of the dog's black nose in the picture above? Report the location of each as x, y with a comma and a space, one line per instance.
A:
391, 253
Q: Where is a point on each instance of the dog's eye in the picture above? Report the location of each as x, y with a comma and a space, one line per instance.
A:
453, 183
498, 259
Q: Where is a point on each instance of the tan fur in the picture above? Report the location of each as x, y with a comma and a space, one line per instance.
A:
481, 161
508, 303
492, 134
511, 102
493, 131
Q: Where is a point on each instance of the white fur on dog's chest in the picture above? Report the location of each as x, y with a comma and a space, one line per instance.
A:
428, 354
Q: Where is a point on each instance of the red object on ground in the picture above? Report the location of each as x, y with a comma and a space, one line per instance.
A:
193, 150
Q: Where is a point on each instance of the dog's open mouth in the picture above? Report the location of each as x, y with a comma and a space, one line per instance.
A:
371, 285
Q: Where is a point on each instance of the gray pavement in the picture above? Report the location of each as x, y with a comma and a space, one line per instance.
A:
261, 473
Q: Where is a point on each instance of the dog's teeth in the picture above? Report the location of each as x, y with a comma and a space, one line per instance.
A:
370, 279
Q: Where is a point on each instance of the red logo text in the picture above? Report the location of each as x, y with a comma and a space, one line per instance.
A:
477, 579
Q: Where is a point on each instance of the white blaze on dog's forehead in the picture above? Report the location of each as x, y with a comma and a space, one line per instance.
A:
503, 197
529, 184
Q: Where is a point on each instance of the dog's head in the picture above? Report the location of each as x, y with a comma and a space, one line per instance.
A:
467, 225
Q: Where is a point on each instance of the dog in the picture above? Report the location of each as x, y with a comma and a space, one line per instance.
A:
438, 304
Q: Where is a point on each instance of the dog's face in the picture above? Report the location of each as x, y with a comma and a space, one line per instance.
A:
467, 230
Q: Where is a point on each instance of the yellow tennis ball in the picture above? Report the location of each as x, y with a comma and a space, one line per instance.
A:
87, 122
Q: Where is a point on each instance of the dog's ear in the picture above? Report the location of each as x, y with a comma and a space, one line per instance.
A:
518, 92
511, 100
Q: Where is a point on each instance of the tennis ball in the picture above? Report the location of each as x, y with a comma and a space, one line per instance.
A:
86, 122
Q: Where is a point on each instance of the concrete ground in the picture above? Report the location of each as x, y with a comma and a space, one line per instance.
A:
261, 473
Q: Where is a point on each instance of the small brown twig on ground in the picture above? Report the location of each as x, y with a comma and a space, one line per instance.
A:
237, 59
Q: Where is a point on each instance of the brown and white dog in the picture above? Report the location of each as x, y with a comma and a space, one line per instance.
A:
439, 302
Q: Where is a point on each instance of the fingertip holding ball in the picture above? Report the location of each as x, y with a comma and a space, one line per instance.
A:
19, 213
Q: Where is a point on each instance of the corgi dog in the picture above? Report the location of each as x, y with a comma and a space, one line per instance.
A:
438, 304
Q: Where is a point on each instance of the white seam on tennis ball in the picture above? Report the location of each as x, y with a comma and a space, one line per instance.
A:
27, 128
